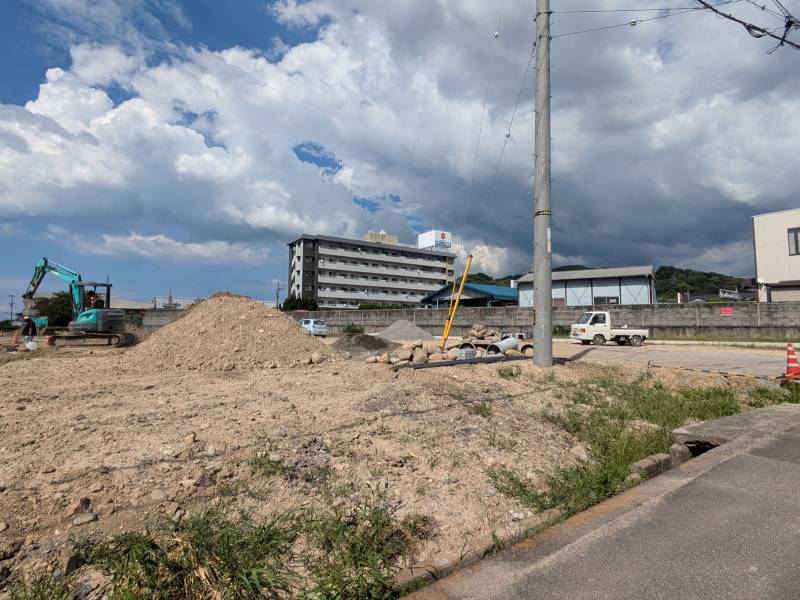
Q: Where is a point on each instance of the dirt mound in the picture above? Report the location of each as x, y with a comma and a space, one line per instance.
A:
228, 332
404, 330
360, 343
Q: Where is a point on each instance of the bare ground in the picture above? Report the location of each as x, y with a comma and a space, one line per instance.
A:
141, 443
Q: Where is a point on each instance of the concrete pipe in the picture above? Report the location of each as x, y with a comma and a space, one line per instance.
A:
503, 345
467, 350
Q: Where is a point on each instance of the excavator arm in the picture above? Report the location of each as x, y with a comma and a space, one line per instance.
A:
45, 266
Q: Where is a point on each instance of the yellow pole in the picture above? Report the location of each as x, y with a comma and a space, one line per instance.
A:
452, 313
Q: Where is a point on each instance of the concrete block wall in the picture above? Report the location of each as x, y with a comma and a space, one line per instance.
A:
749, 320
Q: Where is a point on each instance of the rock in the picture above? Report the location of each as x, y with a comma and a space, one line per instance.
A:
416, 344
580, 453
513, 352
229, 366
77, 507
158, 495
84, 519
179, 515
272, 365
190, 439
437, 357
393, 360
305, 362
431, 348
517, 516
9, 549
3, 488
316, 358
48, 470
652, 465
452, 354
3, 526
372, 359
404, 354
384, 358
201, 480
679, 453
420, 357
632, 480
73, 563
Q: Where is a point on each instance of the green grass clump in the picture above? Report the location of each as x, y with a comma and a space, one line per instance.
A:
211, 555
352, 329
484, 409
621, 424
42, 587
267, 466
762, 396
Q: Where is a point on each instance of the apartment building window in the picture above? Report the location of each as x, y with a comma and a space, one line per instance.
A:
794, 241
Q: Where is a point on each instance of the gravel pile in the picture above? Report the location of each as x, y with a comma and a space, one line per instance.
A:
404, 330
228, 332
360, 343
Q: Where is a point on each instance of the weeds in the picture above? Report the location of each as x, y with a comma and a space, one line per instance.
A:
349, 550
268, 465
484, 409
352, 329
42, 587
762, 396
608, 415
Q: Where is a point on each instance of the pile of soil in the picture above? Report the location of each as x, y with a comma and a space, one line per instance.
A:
361, 343
403, 330
228, 332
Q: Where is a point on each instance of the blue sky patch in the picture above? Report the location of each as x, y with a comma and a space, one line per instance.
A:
369, 205
316, 154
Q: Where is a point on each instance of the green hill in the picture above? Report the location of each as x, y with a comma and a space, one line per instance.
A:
671, 280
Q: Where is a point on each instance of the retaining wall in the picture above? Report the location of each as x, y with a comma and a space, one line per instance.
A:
748, 321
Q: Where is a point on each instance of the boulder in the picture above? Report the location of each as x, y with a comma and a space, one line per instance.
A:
420, 357
317, 358
437, 357
513, 352
452, 354
431, 348
384, 358
372, 359
404, 353
416, 344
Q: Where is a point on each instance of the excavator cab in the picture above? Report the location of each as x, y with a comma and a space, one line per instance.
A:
100, 318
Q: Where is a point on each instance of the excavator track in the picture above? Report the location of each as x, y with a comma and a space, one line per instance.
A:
114, 340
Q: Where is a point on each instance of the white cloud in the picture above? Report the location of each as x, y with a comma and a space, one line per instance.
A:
661, 141
157, 247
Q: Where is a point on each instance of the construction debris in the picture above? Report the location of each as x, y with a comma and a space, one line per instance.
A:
227, 333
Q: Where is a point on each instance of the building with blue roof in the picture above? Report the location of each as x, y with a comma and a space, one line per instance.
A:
474, 294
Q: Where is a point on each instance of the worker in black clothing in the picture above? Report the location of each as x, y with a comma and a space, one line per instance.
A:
28, 330
94, 301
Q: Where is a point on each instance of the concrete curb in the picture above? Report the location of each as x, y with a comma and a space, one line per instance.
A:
447, 564
732, 344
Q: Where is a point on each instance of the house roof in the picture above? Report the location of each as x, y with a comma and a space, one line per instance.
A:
616, 272
495, 292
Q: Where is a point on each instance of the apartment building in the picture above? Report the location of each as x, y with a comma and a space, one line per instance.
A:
776, 245
343, 273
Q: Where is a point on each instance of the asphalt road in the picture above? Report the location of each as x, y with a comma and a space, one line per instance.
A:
758, 362
724, 525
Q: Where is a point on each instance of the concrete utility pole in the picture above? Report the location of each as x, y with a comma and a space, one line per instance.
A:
278, 294
542, 263
11, 296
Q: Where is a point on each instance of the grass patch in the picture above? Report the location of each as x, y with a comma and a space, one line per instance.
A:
42, 587
484, 409
350, 549
268, 465
621, 424
352, 329
763, 396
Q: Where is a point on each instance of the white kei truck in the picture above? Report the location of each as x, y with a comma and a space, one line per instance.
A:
595, 328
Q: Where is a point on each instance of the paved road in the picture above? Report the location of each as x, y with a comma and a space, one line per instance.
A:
759, 362
724, 525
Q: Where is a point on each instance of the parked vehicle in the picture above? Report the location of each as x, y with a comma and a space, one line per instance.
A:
315, 326
595, 327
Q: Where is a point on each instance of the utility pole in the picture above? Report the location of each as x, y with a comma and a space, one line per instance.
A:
542, 244
278, 294
11, 296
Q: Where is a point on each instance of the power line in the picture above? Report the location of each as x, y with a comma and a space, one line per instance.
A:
626, 10
637, 21
488, 85
506, 139
759, 32
781, 17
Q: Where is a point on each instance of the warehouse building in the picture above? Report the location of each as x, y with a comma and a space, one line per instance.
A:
589, 287
343, 273
776, 244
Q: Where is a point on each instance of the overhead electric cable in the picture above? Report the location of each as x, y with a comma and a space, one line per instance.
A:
759, 32
638, 21
486, 94
623, 10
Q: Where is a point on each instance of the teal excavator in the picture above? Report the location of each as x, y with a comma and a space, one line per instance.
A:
98, 322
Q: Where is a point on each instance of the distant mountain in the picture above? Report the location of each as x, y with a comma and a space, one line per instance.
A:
671, 280
489, 280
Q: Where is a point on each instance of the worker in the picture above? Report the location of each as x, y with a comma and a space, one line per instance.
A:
28, 330
94, 301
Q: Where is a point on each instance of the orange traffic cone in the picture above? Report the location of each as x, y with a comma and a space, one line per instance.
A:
792, 367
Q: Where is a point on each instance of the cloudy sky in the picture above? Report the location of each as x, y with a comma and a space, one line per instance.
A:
180, 145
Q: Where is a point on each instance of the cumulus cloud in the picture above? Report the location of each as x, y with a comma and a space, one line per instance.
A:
157, 247
663, 144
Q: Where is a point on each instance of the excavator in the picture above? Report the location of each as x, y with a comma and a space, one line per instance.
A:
88, 323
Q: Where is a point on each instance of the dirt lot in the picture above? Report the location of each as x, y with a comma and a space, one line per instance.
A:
140, 438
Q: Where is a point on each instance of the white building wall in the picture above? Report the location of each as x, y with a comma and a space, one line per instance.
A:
583, 292
777, 258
